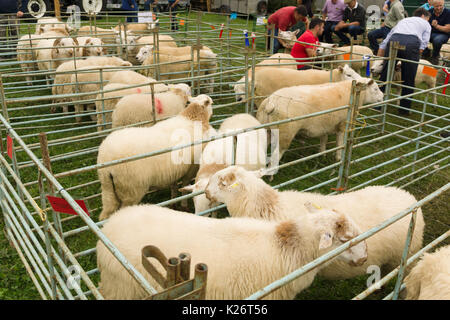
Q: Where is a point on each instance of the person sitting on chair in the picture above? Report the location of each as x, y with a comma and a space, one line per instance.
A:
353, 22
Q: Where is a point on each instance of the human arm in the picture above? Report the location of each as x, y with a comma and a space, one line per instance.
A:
325, 11
311, 52
445, 28
19, 7
386, 7
175, 3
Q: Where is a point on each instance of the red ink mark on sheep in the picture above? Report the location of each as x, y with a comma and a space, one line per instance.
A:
138, 90
158, 106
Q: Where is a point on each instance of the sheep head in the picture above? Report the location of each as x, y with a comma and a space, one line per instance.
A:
325, 48
144, 52
93, 47
372, 93
348, 73
289, 36
376, 67
64, 48
226, 185
334, 229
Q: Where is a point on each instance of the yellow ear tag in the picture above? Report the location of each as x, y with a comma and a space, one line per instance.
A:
316, 206
234, 185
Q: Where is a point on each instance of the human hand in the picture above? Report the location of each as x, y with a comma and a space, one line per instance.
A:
434, 23
19, 14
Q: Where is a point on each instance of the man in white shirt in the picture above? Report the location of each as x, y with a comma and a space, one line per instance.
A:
414, 34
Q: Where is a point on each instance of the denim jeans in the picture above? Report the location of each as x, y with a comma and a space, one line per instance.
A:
376, 34
409, 69
328, 31
276, 44
438, 39
354, 31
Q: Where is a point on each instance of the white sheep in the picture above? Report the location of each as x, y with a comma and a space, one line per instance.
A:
126, 183
51, 53
278, 60
107, 101
250, 153
147, 50
43, 25
377, 67
108, 36
62, 83
90, 46
136, 108
246, 195
90, 79
268, 80
242, 255
445, 51
296, 101
179, 67
131, 44
357, 52
430, 277
137, 27
26, 52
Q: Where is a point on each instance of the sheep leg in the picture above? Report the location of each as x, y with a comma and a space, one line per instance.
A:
339, 143
78, 110
192, 172
173, 194
93, 116
109, 199
323, 143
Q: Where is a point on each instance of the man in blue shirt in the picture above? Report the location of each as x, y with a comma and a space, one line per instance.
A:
10, 10
132, 6
414, 34
440, 28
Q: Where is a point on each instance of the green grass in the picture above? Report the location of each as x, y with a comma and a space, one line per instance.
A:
16, 284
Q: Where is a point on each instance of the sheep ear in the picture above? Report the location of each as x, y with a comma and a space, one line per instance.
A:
296, 31
326, 240
87, 41
311, 207
334, 45
341, 69
189, 188
228, 180
370, 82
56, 43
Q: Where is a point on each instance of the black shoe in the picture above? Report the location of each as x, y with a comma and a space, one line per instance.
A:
445, 134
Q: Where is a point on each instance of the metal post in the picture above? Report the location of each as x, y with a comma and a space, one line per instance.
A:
394, 47
5, 114
47, 163
48, 246
346, 153
401, 271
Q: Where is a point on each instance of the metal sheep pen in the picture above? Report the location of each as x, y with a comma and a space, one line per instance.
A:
45, 153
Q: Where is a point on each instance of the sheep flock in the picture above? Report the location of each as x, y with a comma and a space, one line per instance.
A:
150, 97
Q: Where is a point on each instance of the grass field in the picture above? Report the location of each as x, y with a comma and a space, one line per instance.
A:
15, 282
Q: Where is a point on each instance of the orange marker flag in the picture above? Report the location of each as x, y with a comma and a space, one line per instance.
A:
346, 56
181, 22
432, 72
212, 27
